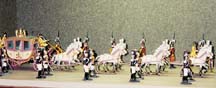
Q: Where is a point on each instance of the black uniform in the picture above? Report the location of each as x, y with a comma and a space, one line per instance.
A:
86, 62
187, 71
133, 64
39, 61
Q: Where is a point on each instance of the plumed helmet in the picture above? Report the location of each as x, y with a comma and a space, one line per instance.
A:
142, 41
208, 42
74, 40
78, 39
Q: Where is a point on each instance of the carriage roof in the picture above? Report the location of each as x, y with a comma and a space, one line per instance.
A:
21, 38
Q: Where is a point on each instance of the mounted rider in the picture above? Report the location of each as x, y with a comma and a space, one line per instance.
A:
194, 50
172, 54
122, 45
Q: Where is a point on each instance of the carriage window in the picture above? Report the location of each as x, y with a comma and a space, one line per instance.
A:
26, 45
18, 43
10, 45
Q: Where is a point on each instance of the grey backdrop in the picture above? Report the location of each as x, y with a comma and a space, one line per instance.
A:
7, 16
128, 19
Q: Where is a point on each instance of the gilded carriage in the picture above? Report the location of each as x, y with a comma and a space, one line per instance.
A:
20, 49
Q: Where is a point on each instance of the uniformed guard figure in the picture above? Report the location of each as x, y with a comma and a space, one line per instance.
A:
133, 64
47, 68
92, 63
5, 65
194, 50
172, 55
86, 67
187, 72
142, 49
39, 61
1, 73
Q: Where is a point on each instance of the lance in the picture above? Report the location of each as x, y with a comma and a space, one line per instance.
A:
203, 36
174, 36
143, 36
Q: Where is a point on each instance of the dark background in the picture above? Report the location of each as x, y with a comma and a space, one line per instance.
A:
128, 19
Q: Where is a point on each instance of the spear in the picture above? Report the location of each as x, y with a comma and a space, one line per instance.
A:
112, 34
143, 36
203, 36
174, 35
87, 37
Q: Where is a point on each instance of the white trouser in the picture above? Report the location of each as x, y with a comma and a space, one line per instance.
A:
4, 64
45, 64
39, 67
133, 69
86, 68
186, 71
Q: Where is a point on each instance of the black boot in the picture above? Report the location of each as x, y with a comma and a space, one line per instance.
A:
185, 81
4, 69
140, 75
88, 76
43, 75
39, 75
131, 78
48, 72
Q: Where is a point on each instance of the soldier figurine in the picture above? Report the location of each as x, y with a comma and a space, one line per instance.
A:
47, 68
133, 64
86, 62
92, 63
39, 61
5, 65
172, 55
187, 72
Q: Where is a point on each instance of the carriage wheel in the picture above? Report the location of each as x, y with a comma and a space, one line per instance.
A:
13, 65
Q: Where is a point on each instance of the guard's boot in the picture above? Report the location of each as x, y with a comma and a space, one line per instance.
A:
48, 72
140, 75
185, 81
39, 75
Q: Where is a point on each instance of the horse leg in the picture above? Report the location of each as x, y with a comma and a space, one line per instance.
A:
104, 67
114, 68
148, 66
157, 69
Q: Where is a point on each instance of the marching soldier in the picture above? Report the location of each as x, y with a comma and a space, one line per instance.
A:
5, 65
133, 67
86, 62
39, 61
187, 72
92, 63
46, 66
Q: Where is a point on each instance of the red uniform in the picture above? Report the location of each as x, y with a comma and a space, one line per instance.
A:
172, 54
142, 51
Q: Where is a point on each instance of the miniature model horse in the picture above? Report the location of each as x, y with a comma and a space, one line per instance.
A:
113, 58
70, 55
157, 58
201, 58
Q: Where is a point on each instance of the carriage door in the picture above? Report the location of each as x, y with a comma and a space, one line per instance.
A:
18, 45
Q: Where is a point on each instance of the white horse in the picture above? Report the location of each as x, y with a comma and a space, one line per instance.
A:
114, 57
200, 59
70, 55
157, 58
